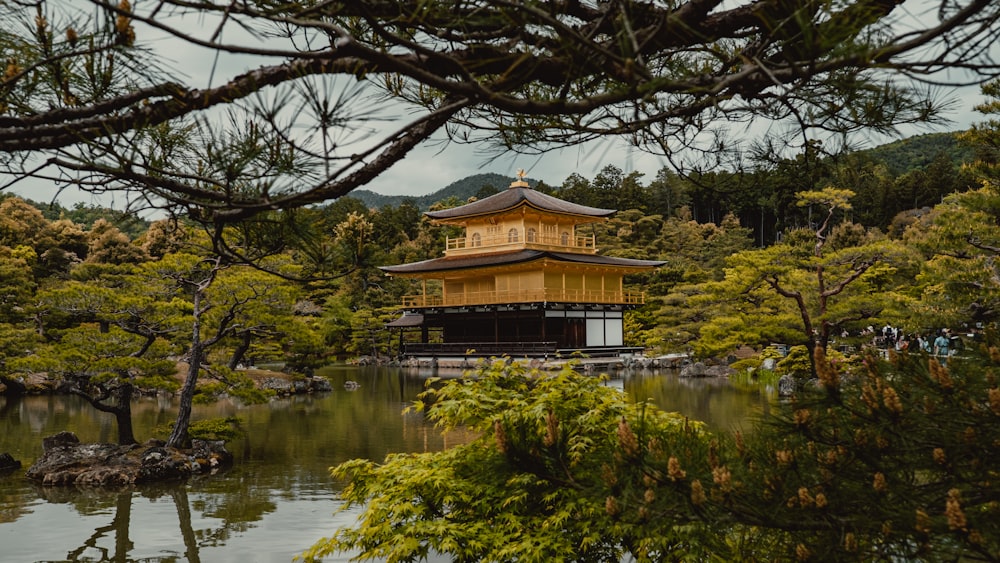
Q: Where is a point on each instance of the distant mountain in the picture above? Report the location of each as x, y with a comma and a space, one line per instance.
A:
918, 152
479, 185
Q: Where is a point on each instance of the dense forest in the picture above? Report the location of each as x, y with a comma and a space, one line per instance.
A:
909, 174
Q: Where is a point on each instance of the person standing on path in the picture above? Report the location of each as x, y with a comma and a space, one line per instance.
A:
941, 344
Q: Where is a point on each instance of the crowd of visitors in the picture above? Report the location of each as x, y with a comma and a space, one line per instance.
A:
943, 344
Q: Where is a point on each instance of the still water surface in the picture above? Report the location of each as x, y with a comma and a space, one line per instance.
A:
278, 499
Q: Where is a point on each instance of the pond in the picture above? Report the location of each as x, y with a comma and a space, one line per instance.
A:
279, 498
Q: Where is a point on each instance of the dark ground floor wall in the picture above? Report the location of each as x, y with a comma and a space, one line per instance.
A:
566, 326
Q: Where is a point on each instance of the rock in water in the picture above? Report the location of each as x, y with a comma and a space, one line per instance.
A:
65, 461
786, 385
8, 463
59, 440
696, 369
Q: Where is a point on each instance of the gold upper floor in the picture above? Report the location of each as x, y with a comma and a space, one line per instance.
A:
518, 231
526, 283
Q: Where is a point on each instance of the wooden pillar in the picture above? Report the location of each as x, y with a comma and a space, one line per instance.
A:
544, 321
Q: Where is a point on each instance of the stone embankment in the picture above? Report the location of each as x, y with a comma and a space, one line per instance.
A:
583, 364
284, 385
700, 369
281, 383
32, 384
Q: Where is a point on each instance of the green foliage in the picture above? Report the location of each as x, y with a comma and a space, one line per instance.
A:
637, 329
679, 305
958, 282
743, 310
209, 392
15, 342
984, 138
797, 363
232, 383
368, 335
225, 429
810, 287
98, 360
772, 352
749, 375
16, 283
540, 483
20, 223
108, 245
892, 461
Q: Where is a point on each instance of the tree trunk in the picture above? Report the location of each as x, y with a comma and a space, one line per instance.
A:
240, 350
121, 407
179, 436
123, 414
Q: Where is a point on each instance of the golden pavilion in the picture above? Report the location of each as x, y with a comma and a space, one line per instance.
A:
521, 280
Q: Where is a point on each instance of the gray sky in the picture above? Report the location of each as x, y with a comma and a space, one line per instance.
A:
436, 164
433, 166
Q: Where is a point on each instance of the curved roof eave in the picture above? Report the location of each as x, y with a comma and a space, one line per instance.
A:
508, 258
511, 198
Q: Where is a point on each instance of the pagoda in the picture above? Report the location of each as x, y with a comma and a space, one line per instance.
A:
522, 280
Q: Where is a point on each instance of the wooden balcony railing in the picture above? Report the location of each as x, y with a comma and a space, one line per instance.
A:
526, 296
573, 243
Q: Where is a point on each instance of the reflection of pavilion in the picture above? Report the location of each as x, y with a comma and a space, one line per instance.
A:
522, 280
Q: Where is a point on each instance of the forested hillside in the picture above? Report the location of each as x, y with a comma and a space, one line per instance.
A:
477, 185
918, 152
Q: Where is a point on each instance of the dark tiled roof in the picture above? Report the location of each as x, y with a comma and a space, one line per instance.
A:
511, 198
609, 260
407, 320
506, 258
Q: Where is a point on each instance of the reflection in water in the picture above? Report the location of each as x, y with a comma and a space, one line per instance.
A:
173, 509
118, 527
179, 495
708, 399
278, 499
